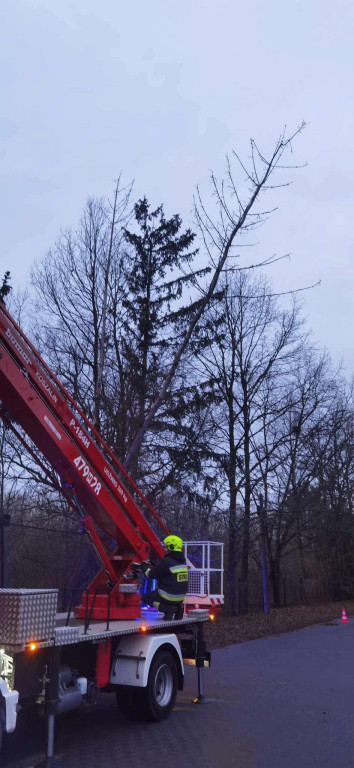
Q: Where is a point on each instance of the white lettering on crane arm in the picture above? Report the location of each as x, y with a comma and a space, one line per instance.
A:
52, 427
90, 478
46, 386
80, 434
116, 484
18, 346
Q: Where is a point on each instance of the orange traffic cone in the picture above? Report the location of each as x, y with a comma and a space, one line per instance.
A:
344, 617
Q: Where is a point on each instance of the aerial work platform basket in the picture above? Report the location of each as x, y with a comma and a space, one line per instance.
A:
205, 561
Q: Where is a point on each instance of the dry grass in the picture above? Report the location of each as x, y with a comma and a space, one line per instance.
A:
238, 629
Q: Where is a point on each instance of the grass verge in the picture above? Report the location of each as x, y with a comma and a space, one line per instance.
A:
239, 629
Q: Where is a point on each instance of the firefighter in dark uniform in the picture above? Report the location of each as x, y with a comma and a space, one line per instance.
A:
172, 580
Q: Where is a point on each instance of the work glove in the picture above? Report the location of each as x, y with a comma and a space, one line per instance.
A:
144, 566
136, 570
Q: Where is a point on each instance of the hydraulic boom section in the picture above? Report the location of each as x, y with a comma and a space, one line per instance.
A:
90, 475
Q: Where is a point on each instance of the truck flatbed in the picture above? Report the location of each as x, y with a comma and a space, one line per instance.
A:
76, 631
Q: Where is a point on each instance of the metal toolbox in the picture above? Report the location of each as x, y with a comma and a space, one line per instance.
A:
27, 615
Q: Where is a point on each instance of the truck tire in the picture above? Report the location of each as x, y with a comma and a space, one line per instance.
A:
154, 702
127, 701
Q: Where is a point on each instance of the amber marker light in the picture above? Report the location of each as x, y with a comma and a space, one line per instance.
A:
211, 616
143, 629
32, 647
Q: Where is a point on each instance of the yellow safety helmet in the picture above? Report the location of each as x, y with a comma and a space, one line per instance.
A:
173, 543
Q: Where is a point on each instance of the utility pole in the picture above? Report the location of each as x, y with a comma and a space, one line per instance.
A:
4, 516
261, 513
4, 523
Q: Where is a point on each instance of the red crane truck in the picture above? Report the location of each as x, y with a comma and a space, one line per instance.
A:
59, 662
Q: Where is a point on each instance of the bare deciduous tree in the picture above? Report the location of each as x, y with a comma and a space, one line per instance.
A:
235, 216
250, 359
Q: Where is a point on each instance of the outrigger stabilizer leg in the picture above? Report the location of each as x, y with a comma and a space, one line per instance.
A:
51, 701
201, 659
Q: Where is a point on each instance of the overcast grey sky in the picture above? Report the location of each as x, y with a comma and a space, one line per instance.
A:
161, 90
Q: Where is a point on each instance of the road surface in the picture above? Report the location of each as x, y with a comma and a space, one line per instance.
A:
280, 702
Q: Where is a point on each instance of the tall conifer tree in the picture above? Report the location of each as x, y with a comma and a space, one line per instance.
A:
157, 269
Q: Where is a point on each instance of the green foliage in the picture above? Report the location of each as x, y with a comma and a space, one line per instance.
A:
157, 270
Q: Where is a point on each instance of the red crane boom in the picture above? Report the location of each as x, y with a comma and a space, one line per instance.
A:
90, 474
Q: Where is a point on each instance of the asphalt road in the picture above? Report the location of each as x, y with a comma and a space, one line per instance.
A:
280, 702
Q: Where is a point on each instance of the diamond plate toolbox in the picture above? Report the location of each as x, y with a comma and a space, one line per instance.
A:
27, 614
